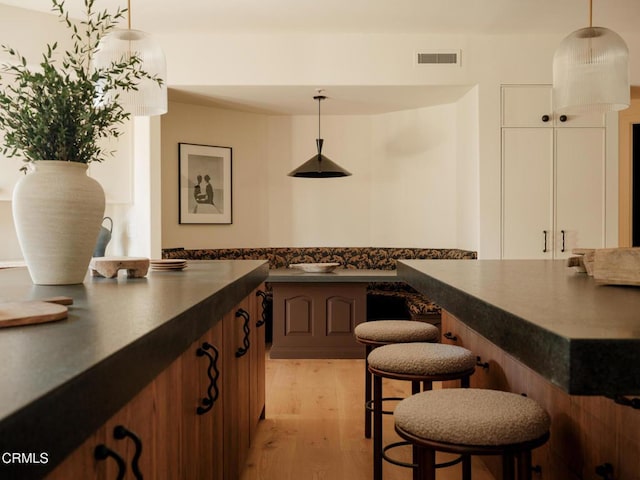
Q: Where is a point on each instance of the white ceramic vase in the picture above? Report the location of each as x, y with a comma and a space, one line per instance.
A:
57, 212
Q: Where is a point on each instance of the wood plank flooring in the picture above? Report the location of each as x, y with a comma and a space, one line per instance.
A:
314, 422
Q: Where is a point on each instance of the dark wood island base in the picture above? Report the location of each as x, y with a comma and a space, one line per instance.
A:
542, 330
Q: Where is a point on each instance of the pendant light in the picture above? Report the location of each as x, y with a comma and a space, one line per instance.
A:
319, 166
591, 71
149, 98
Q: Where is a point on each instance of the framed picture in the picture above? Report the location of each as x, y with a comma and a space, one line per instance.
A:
205, 184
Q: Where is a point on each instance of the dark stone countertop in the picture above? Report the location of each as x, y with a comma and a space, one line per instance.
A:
579, 335
339, 275
60, 381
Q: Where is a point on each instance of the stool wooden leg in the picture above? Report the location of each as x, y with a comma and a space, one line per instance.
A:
377, 427
524, 465
508, 472
415, 387
426, 460
466, 467
367, 393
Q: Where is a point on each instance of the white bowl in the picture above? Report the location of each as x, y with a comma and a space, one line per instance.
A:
315, 267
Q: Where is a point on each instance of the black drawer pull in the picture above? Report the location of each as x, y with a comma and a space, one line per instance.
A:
545, 118
120, 433
450, 336
265, 305
482, 364
605, 471
102, 452
209, 400
245, 341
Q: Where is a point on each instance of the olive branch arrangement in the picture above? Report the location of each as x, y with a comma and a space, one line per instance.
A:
61, 109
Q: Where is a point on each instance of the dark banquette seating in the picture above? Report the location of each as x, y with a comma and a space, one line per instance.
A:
386, 300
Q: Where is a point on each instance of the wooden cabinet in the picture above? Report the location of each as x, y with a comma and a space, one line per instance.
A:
201, 413
258, 354
194, 420
553, 177
585, 431
317, 320
237, 329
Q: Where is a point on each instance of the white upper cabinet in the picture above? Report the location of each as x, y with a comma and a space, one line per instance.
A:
553, 177
532, 106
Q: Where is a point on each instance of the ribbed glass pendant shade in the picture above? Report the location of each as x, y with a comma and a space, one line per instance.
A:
149, 98
591, 72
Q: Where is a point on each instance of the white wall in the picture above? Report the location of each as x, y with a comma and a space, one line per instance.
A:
468, 171
247, 135
321, 61
403, 191
413, 188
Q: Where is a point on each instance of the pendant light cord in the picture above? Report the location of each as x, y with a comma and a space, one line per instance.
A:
129, 13
590, 13
319, 100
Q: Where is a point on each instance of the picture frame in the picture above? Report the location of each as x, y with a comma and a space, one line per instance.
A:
205, 174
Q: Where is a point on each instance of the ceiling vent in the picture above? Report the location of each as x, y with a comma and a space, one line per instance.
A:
438, 57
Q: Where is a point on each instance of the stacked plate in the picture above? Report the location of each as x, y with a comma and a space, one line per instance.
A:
167, 264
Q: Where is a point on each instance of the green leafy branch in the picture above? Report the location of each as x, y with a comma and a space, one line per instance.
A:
60, 110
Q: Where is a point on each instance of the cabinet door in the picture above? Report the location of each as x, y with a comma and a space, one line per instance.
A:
526, 105
580, 189
527, 160
257, 354
236, 395
202, 415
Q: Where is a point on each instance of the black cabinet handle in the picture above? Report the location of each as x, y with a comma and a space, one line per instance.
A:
563, 232
120, 433
482, 364
209, 400
102, 452
450, 336
605, 471
265, 304
545, 118
544, 232
563, 118
245, 342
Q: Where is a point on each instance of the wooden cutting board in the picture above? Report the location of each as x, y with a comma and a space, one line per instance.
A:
617, 266
13, 314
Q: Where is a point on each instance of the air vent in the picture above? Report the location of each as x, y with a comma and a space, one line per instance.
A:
447, 57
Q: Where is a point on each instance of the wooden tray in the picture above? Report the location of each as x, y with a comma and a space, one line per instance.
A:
617, 266
110, 266
13, 314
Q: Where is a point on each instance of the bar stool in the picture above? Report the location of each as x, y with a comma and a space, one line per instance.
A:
383, 332
473, 422
419, 363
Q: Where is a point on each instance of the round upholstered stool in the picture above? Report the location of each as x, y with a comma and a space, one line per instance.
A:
473, 422
383, 332
421, 364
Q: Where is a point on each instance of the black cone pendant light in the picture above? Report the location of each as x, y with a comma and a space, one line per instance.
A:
319, 166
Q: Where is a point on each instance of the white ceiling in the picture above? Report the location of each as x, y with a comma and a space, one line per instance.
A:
298, 100
352, 16
366, 16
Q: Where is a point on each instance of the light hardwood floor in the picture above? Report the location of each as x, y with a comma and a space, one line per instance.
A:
313, 428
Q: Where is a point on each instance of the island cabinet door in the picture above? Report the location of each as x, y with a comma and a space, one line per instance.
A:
257, 353
578, 442
201, 411
128, 440
237, 326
